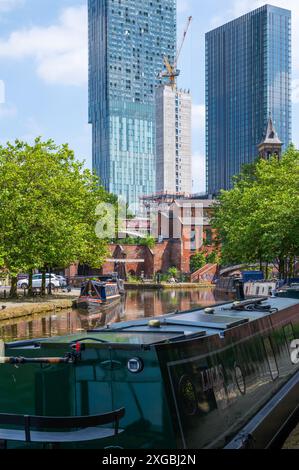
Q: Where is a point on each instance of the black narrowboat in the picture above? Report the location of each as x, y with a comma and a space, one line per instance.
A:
223, 377
97, 294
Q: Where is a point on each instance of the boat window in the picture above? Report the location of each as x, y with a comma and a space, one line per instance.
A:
111, 289
289, 335
271, 358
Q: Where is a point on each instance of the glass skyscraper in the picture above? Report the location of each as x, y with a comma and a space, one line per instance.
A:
127, 42
248, 79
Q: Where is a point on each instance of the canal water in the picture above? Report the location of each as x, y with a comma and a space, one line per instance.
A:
136, 304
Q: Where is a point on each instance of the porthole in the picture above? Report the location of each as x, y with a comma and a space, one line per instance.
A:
135, 365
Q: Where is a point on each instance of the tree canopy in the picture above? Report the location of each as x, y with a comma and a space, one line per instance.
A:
197, 261
48, 207
258, 220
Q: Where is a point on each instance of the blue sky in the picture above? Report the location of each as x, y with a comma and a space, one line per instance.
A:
43, 65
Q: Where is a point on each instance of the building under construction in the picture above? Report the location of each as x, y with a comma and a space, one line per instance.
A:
173, 140
173, 130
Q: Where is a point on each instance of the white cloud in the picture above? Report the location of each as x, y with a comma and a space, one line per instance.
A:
8, 5
2, 92
32, 129
198, 117
199, 173
60, 50
7, 111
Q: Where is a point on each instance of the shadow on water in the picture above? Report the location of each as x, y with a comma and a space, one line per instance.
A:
136, 304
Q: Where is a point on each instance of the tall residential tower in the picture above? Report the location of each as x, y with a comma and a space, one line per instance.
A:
127, 43
248, 79
173, 140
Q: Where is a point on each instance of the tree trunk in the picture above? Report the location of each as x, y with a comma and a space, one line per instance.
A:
261, 265
292, 266
50, 283
287, 273
281, 268
267, 270
43, 288
14, 288
30, 290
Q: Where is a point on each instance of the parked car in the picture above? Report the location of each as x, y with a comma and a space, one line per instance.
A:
62, 280
37, 281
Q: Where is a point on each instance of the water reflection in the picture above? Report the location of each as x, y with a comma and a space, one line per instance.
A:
136, 304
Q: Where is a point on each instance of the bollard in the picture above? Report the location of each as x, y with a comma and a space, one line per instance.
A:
5, 293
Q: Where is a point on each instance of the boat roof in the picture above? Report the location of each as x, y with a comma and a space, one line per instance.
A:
175, 326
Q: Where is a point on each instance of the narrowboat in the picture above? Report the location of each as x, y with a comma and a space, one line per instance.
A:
222, 377
252, 288
260, 288
289, 291
97, 294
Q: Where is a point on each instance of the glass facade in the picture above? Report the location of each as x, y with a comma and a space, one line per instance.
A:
248, 78
127, 43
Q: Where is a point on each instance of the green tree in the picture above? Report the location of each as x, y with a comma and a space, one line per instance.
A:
212, 258
173, 272
258, 220
150, 242
48, 209
197, 261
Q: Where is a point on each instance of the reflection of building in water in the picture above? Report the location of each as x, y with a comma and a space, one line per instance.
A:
140, 303
136, 304
40, 326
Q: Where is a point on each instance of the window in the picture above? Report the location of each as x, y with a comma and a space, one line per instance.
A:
209, 237
289, 335
271, 358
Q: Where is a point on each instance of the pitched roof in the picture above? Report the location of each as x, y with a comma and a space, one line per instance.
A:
271, 134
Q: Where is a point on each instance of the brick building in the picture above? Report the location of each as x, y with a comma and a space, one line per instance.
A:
181, 227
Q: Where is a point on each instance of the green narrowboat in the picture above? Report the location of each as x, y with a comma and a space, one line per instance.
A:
291, 291
195, 380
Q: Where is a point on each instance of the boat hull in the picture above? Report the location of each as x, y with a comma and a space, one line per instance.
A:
213, 395
194, 392
90, 303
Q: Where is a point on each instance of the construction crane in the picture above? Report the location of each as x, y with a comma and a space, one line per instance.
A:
172, 72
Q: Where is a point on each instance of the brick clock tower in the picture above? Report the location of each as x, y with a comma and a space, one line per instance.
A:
271, 144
